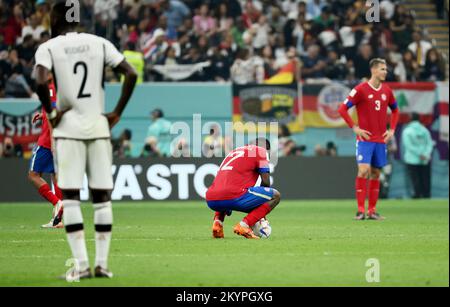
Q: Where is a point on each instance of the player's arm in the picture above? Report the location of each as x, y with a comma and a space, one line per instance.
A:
394, 119
263, 167
54, 116
265, 179
128, 85
343, 111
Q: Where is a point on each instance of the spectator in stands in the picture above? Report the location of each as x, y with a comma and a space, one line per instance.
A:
43, 13
16, 84
159, 131
220, 66
26, 53
122, 145
314, 8
419, 48
9, 149
136, 59
407, 69
336, 68
223, 17
402, 27
34, 28
213, 145
203, 22
313, 64
246, 70
175, 11
361, 62
418, 148
434, 69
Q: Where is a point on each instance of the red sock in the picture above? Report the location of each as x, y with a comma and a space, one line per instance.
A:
257, 214
374, 191
361, 190
58, 191
46, 192
220, 216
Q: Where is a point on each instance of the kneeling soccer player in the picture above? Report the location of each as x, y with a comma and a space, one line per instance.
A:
234, 189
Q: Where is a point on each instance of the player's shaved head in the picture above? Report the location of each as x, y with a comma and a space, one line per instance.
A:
58, 18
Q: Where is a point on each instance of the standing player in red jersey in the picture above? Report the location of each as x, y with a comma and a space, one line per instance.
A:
234, 189
42, 162
371, 100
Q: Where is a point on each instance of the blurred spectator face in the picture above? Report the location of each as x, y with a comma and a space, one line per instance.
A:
433, 56
366, 51
313, 51
332, 55
262, 20
171, 53
291, 53
28, 41
204, 10
34, 22
165, 4
13, 56
45, 36
408, 56
417, 37
267, 51
223, 10
203, 42
8, 147
162, 22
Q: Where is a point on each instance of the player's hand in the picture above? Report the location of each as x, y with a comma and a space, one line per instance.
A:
55, 121
113, 119
388, 135
36, 117
362, 133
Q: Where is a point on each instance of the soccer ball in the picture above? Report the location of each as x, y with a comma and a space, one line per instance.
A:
262, 228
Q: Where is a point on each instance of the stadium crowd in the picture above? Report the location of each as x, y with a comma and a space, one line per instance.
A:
244, 41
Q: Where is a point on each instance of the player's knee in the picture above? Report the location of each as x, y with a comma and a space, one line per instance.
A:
276, 195
33, 176
100, 196
375, 174
71, 194
364, 172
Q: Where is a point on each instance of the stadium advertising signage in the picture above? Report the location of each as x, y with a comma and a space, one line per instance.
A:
20, 129
187, 179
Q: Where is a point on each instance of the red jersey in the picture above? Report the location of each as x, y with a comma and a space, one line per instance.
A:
45, 139
239, 171
371, 106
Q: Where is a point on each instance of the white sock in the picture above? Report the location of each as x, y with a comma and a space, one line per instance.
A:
103, 219
73, 222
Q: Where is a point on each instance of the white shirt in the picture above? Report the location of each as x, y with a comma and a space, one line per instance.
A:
425, 46
77, 61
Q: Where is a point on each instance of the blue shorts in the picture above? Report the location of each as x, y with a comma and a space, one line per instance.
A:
42, 161
255, 197
371, 153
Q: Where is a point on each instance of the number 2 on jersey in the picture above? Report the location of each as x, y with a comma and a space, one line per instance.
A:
236, 154
83, 83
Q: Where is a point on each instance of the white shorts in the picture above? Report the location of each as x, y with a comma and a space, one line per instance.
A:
74, 158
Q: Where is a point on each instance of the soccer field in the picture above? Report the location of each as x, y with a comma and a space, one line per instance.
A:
313, 243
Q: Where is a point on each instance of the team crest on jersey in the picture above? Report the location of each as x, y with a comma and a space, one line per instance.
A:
383, 96
329, 100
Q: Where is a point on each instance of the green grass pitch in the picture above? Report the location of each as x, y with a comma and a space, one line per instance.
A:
313, 243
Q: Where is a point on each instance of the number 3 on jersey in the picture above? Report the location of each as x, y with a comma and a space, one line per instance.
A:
83, 83
378, 105
235, 155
